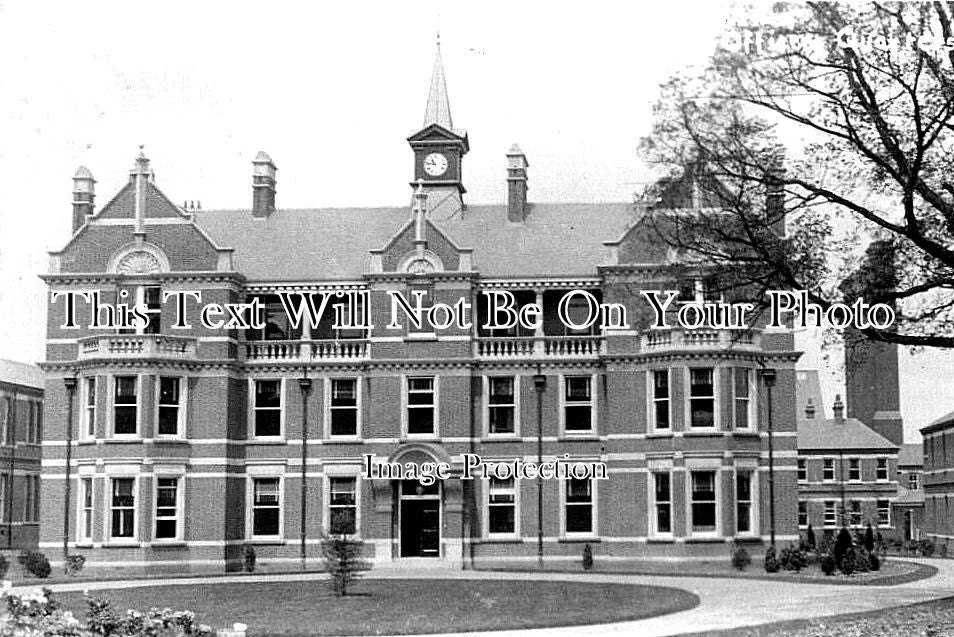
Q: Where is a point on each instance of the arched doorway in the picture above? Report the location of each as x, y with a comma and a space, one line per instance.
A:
419, 518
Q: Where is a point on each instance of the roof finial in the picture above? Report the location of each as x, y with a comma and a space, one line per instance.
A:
438, 104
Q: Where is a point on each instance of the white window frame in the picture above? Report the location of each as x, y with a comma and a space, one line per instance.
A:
753, 501
853, 464
751, 400
405, 406
252, 408
112, 406
594, 425
716, 405
834, 474
30, 492
830, 507
886, 521
802, 510
515, 406
856, 514
801, 469
882, 464
914, 481
250, 508
515, 490
328, 409
653, 513
181, 418
140, 295
86, 513
137, 502
88, 420
326, 510
653, 401
180, 510
717, 532
5, 416
6, 493
594, 511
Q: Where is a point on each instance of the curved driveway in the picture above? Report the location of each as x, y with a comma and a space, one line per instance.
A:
724, 602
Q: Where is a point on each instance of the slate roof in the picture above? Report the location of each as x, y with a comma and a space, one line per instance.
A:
908, 497
940, 423
335, 243
21, 374
849, 434
911, 455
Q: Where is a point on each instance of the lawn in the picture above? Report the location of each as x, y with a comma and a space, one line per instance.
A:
934, 619
893, 571
401, 606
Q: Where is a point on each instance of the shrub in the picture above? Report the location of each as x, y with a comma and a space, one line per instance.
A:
869, 539
740, 558
587, 557
862, 560
926, 547
248, 558
874, 562
4, 566
75, 564
828, 564
848, 560
771, 561
103, 621
343, 562
941, 551
793, 559
842, 544
35, 563
34, 613
810, 538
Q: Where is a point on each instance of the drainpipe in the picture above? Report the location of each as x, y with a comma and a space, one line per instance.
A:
539, 384
768, 375
304, 383
70, 383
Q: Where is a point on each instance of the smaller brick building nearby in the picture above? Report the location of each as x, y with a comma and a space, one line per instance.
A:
847, 472
908, 507
938, 481
21, 413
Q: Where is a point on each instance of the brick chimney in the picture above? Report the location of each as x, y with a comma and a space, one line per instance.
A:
517, 206
775, 198
839, 409
263, 185
84, 194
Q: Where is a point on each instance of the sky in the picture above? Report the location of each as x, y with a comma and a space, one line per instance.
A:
330, 92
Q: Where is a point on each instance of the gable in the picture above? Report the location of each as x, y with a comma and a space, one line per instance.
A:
123, 205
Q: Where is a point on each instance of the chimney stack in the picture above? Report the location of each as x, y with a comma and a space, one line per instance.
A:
839, 409
263, 185
810, 410
84, 194
517, 206
775, 198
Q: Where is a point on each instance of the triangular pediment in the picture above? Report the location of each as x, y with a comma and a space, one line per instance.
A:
437, 133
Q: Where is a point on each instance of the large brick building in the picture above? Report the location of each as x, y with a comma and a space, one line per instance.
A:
938, 482
186, 444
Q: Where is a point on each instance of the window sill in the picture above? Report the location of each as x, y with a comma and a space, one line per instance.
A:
703, 433
163, 544
123, 440
745, 433
421, 336
264, 541
266, 441
514, 437
571, 539
83, 545
343, 440
583, 435
503, 539
705, 540
661, 540
118, 544
660, 433
173, 440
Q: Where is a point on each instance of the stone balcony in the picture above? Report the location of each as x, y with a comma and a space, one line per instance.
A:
532, 347
136, 346
306, 351
702, 339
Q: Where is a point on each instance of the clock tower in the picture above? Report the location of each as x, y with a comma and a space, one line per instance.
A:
439, 149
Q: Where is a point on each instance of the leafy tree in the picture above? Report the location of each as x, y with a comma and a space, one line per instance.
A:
842, 544
869, 538
869, 138
343, 561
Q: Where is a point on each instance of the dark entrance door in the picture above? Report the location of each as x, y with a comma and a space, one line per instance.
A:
420, 520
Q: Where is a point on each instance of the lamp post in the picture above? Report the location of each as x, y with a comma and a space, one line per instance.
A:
768, 375
304, 384
539, 385
70, 383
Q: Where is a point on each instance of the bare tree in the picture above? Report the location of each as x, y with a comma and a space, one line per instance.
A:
862, 99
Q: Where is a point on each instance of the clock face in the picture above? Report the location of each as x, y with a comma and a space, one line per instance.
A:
435, 164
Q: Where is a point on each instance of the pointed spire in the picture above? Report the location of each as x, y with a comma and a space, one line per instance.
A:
438, 104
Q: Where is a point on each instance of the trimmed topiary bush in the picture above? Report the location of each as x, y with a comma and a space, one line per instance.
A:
75, 564
828, 564
862, 560
810, 538
740, 558
343, 562
793, 559
848, 561
35, 563
771, 561
587, 557
874, 562
869, 539
842, 544
926, 547
4, 566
